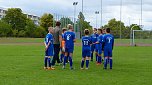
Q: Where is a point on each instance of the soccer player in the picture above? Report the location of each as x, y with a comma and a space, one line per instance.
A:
48, 49
108, 41
99, 45
62, 46
93, 46
69, 38
86, 49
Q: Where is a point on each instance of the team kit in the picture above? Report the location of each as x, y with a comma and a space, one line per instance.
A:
98, 43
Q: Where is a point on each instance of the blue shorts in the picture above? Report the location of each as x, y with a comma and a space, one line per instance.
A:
107, 52
94, 47
49, 52
99, 49
86, 53
69, 50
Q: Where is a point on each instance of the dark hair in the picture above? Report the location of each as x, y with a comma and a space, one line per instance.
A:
108, 30
86, 32
100, 30
58, 23
95, 29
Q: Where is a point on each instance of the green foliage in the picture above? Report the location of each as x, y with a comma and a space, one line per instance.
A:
39, 32
65, 21
15, 18
5, 29
46, 21
29, 28
15, 33
21, 33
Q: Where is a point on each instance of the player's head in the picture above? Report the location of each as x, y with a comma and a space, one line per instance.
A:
103, 30
63, 30
50, 29
70, 27
107, 30
58, 23
99, 31
95, 30
86, 32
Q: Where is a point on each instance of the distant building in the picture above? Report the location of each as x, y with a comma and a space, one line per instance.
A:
2, 12
32, 17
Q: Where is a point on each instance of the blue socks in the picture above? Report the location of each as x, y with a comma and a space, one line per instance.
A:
87, 63
82, 63
65, 59
45, 61
110, 63
105, 63
92, 56
96, 58
61, 57
99, 59
70, 59
49, 62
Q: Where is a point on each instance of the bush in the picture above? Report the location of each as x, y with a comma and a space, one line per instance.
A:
21, 33
39, 32
5, 29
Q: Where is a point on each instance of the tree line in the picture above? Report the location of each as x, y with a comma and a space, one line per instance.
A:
16, 24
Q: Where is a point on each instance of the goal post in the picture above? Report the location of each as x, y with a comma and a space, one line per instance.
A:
141, 37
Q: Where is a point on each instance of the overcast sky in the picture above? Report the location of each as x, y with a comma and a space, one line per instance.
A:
131, 9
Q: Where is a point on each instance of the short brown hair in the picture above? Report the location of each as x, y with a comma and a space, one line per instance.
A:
86, 32
58, 23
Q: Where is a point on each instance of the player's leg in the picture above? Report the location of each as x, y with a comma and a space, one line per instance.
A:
65, 58
87, 59
45, 59
58, 51
92, 50
105, 58
110, 59
83, 59
61, 56
87, 62
70, 59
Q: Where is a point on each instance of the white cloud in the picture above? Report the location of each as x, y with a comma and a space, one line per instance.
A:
111, 9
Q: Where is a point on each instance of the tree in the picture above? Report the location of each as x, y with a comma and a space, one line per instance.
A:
15, 18
5, 29
65, 22
29, 28
39, 32
46, 21
115, 27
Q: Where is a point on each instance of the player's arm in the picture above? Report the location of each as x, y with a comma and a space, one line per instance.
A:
60, 37
112, 43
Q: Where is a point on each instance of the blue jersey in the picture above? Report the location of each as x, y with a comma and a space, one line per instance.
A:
69, 37
86, 42
94, 38
108, 41
49, 38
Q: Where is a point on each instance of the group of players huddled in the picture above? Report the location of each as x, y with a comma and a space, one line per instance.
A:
101, 42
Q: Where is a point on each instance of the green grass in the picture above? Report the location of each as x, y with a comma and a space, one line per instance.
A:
23, 65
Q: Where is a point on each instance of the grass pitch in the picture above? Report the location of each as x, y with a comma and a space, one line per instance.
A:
23, 65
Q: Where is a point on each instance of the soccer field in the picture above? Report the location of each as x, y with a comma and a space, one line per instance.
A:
21, 63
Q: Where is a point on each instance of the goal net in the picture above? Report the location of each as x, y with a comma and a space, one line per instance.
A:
141, 38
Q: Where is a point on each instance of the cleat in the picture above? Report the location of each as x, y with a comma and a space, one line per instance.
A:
110, 68
45, 68
71, 68
52, 68
86, 68
105, 68
63, 67
49, 68
82, 68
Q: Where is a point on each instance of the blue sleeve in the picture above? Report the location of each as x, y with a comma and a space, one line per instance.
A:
112, 42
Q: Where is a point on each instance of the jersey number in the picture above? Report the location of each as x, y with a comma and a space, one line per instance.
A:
86, 42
